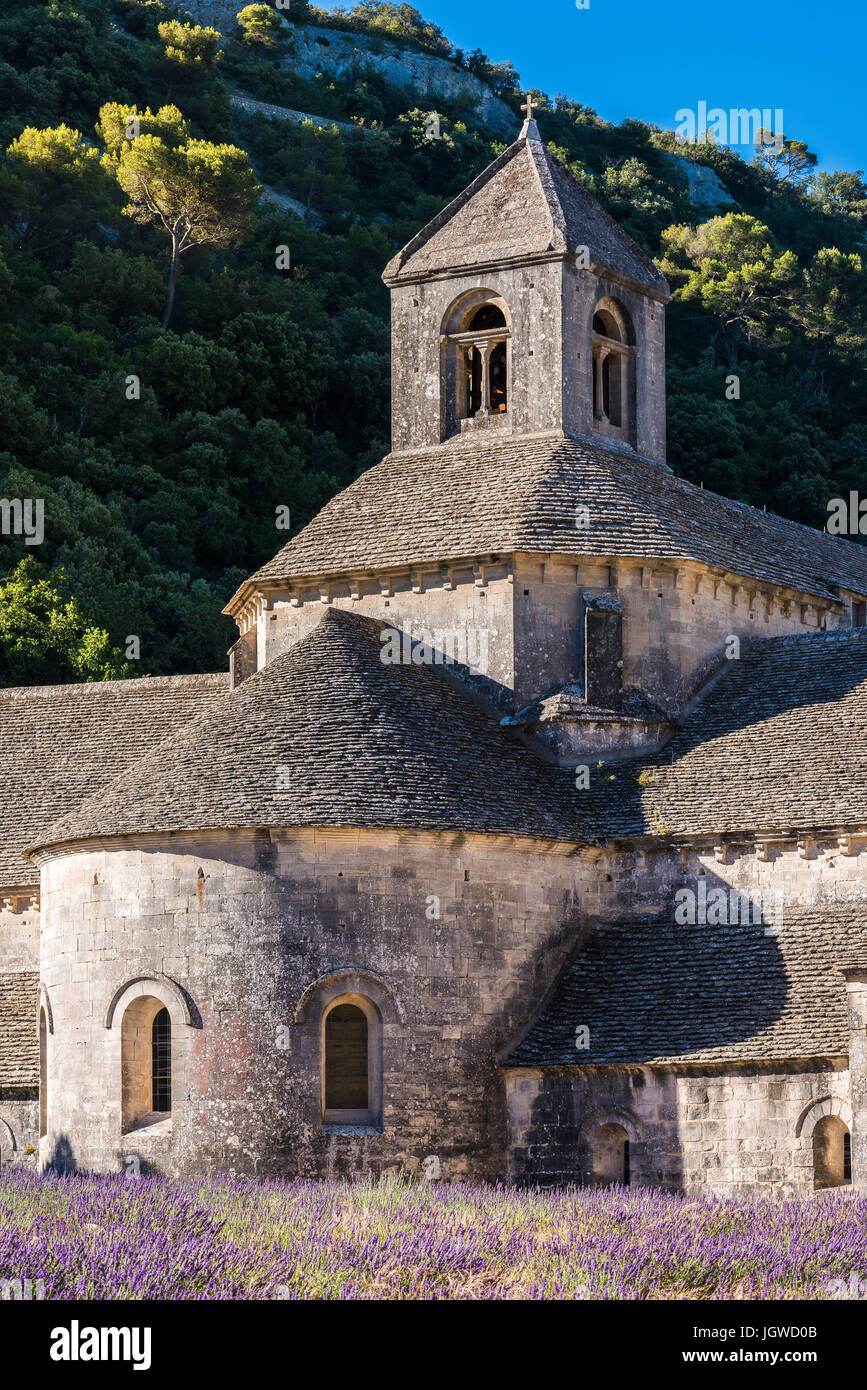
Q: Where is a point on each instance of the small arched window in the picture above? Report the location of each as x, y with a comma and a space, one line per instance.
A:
161, 1062
613, 372
476, 363
146, 1062
346, 1059
352, 1063
832, 1153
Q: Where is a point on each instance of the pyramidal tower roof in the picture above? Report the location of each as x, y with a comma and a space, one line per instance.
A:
520, 496
525, 204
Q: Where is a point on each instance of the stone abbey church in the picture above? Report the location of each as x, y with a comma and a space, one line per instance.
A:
526, 837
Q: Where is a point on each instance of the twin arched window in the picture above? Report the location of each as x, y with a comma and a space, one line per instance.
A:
476, 366
476, 336
486, 386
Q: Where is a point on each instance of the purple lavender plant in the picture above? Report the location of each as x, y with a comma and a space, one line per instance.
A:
103, 1237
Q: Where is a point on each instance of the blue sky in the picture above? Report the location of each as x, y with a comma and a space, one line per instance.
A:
637, 58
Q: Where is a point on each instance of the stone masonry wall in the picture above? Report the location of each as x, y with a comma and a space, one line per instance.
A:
580, 294
19, 930
244, 924
677, 618
19, 962
818, 872
478, 614
19, 1131
700, 1130
533, 294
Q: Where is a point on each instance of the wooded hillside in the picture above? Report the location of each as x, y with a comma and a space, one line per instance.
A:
182, 358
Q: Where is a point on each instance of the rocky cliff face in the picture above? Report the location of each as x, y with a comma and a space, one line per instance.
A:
338, 52
706, 189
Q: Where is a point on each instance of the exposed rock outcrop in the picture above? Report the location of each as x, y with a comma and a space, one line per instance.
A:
338, 52
706, 188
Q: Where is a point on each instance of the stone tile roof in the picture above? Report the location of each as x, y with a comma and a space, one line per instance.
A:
654, 992
61, 743
460, 501
328, 734
525, 203
776, 745
19, 1042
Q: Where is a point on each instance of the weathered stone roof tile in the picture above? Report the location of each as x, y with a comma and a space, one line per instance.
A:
652, 992
329, 734
777, 744
61, 743
525, 203
521, 495
19, 1044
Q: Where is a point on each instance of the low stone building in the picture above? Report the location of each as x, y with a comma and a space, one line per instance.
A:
526, 837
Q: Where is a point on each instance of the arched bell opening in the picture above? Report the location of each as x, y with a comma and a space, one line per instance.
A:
476, 363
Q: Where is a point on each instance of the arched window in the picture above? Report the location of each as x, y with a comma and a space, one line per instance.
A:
476, 363
352, 1063
832, 1153
346, 1059
609, 1155
43, 1074
146, 1062
613, 372
161, 1061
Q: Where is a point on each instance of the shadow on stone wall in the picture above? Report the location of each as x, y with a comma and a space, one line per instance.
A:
556, 1149
62, 1159
801, 692
760, 984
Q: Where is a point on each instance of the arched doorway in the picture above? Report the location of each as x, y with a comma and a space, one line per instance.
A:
610, 1157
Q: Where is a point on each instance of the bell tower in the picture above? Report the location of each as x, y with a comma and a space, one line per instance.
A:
523, 309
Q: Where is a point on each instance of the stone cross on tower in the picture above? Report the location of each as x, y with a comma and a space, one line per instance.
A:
530, 130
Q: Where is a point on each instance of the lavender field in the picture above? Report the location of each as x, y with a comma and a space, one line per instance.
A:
111, 1238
